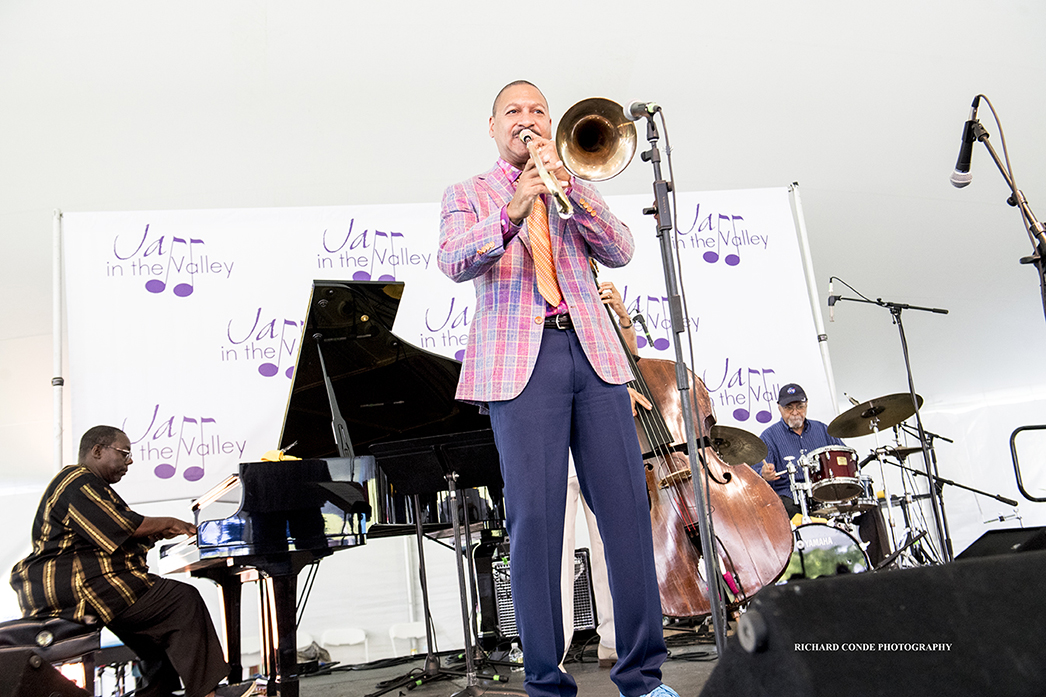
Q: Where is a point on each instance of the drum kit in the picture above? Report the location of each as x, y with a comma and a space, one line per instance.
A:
837, 499
834, 493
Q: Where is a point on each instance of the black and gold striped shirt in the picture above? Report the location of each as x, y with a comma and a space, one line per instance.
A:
84, 560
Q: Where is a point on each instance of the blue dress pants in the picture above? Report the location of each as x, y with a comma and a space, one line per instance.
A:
565, 405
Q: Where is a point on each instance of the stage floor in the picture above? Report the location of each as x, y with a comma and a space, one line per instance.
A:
692, 657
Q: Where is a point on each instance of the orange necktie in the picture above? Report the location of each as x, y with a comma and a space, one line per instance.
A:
541, 247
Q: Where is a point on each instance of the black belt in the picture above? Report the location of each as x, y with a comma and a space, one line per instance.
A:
559, 321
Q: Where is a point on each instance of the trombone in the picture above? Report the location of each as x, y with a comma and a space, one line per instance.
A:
595, 141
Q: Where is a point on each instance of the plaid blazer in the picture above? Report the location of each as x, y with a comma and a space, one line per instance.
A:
508, 320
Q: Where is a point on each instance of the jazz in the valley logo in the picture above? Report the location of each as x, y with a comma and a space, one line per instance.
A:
750, 392
656, 313
446, 328
165, 262
265, 339
720, 236
173, 442
370, 255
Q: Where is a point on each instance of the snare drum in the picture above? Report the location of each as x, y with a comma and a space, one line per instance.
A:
833, 473
823, 550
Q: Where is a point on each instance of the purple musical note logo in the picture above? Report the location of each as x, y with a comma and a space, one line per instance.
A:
720, 236
178, 441
176, 263
749, 392
369, 254
656, 313
272, 341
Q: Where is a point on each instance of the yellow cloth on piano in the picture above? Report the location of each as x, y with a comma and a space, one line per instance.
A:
277, 456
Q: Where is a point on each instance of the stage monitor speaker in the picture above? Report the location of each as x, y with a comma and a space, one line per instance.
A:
505, 612
1007, 541
24, 674
972, 627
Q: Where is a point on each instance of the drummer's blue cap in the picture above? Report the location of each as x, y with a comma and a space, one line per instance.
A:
791, 393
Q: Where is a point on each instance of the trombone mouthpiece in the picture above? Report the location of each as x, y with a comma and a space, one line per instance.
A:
526, 134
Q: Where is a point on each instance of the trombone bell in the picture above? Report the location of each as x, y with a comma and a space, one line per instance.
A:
595, 140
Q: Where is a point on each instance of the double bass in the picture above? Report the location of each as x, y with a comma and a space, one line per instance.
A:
753, 537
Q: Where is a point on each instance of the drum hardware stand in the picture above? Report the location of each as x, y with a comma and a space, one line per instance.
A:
890, 559
909, 528
798, 489
890, 525
937, 504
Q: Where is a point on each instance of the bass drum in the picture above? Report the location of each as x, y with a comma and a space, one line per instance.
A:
823, 550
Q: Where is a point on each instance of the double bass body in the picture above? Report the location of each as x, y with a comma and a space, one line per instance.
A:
752, 535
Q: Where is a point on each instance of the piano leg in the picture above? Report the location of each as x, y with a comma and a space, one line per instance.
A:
231, 586
285, 594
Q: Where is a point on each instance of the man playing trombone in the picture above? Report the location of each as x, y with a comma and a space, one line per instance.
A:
543, 357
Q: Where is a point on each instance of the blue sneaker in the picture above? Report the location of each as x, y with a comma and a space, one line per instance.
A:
661, 690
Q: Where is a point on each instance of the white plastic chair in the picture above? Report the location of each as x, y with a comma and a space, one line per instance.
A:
406, 630
346, 636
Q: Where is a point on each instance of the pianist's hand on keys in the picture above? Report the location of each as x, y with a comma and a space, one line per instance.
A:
163, 528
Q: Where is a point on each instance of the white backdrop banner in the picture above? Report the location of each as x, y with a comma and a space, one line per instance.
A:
184, 326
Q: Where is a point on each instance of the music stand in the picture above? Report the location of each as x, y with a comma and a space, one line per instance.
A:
446, 463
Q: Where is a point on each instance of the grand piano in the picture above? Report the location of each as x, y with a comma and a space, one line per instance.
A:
356, 386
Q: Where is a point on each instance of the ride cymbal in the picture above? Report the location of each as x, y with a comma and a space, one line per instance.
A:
882, 412
737, 446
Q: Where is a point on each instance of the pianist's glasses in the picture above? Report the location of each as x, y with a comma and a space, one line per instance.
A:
126, 453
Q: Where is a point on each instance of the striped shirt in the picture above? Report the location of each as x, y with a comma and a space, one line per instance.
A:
84, 560
782, 442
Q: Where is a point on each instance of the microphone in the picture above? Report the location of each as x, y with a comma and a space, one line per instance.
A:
961, 176
637, 110
831, 300
646, 331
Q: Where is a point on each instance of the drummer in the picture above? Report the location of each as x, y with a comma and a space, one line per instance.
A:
793, 436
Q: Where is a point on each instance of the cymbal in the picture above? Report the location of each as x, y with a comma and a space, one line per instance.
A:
901, 453
886, 412
737, 446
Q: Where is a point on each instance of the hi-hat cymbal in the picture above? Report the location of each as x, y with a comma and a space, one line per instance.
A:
737, 446
883, 412
901, 453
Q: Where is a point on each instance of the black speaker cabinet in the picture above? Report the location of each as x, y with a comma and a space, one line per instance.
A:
1006, 541
24, 674
972, 627
498, 614
584, 597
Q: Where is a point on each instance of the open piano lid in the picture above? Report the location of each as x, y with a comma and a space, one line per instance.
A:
387, 389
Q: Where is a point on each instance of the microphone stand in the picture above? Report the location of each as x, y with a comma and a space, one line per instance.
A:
936, 500
1036, 230
938, 482
662, 212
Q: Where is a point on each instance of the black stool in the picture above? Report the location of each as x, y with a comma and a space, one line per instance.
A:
55, 640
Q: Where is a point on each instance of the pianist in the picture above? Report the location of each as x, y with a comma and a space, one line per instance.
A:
88, 560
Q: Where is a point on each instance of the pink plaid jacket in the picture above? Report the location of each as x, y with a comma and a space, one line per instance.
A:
509, 315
